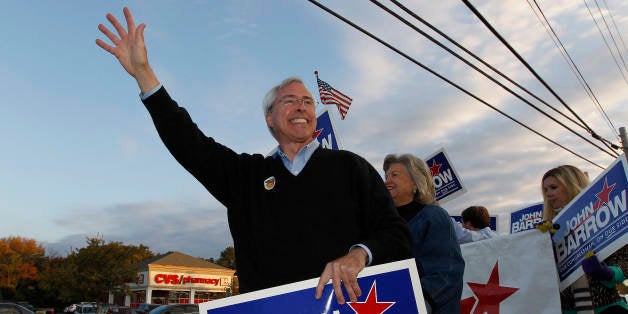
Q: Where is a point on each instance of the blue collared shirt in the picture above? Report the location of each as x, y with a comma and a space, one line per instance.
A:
300, 159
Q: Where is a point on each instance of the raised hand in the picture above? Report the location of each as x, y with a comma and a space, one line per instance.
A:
129, 48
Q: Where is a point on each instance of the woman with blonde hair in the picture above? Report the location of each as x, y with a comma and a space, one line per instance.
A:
435, 246
596, 292
559, 186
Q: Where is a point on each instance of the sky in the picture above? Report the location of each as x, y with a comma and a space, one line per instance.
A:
81, 158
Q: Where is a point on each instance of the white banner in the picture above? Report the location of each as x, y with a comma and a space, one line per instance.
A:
510, 274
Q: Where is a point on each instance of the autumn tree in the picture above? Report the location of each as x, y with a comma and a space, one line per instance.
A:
19, 258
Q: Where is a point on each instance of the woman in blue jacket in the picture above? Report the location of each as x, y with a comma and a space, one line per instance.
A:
435, 245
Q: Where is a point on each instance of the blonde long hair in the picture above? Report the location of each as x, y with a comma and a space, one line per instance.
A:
571, 178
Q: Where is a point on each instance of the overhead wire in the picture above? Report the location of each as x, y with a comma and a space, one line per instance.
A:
610, 13
454, 42
609, 33
534, 73
618, 53
606, 43
572, 64
345, 20
432, 39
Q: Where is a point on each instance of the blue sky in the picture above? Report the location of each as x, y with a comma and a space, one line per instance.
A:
80, 156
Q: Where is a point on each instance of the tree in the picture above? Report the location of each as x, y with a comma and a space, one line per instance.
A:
90, 273
227, 258
55, 284
19, 258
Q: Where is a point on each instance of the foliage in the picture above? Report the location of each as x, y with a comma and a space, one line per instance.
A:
101, 267
19, 260
227, 258
86, 274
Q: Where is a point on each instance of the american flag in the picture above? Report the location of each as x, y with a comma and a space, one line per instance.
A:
332, 96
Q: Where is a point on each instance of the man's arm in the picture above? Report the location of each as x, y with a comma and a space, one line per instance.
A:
130, 50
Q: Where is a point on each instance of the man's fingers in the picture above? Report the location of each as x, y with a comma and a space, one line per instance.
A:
114, 39
129, 19
140, 32
353, 290
112, 19
320, 287
104, 45
336, 283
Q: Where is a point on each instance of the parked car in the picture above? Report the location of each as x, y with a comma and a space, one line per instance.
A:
144, 308
85, 308
14, 308
70, 308
26, 305
107, 309
180, 308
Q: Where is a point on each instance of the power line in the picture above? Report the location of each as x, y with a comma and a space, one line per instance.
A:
609, 32
572, 65
476, 68
616, 28
490, 27
451, 40
445, 79
606, 43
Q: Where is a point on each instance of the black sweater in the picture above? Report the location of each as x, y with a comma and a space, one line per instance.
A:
287, 233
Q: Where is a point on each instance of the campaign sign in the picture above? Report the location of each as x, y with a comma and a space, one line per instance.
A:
325, 133
595, 220
492, 223
390, 288
526, 218
446, 180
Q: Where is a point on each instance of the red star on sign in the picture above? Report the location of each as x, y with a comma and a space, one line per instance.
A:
435, 168
490, 294
466, 305
317, 133
370, 305
603, 196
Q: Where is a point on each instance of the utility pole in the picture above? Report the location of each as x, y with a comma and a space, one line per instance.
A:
624, 140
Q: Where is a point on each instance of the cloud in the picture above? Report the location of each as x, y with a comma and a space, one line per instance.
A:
198, 229
399, 107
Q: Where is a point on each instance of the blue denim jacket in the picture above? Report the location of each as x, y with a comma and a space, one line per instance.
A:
438, 258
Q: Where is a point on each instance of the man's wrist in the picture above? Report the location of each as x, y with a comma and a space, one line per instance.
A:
365, 253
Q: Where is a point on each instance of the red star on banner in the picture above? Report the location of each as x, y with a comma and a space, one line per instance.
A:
603, 196
317, 133
435, 168
466, 305
490, 294
370, 305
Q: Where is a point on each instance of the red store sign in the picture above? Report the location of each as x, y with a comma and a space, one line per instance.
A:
174, 279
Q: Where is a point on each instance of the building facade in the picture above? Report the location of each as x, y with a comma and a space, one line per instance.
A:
175, 277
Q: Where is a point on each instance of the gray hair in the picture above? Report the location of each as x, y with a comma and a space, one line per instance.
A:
419, 173
271, 96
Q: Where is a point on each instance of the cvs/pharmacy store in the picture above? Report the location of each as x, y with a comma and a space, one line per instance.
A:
175, 277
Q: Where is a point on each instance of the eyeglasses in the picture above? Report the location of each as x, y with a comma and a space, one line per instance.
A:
290, 100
